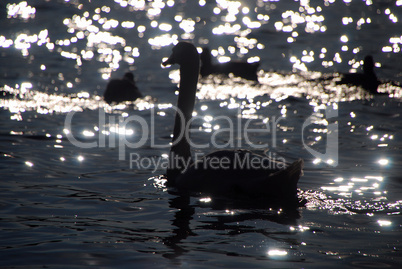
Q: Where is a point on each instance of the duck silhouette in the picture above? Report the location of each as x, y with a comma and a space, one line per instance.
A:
237, 68
227, 173
120, 90
367, 80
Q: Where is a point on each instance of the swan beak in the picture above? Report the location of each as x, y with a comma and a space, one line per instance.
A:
169, 61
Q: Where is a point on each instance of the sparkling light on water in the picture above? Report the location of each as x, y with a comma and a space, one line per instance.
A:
384, 222
383, 162
20, 10
277, 252
57, 67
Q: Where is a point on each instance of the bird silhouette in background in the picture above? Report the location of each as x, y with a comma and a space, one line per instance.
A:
367, 80
120, 90
237, 68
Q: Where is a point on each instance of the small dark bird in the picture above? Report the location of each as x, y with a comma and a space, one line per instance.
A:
120, 90
367, 79
237, 68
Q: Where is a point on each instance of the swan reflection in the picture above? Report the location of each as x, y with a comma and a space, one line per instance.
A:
221, 216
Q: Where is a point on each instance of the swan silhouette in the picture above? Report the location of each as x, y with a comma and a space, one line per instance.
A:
120, 90
237, 68
367, 79
225, 173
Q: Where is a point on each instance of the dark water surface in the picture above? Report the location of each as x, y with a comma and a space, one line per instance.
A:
79, 178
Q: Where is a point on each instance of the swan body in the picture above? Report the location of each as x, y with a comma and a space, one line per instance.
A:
237, 68
120, 90
367, 80
242, 174
226, 173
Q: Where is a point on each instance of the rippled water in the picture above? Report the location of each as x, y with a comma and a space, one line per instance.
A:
72, 194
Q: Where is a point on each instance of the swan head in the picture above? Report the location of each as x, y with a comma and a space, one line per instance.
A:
183, 53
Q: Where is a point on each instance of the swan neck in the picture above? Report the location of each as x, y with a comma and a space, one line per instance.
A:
180, 151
